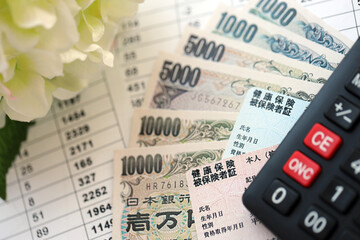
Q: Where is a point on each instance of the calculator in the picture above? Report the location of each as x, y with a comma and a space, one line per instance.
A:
310, 188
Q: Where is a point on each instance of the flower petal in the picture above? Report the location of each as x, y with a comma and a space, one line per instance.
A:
98, 54
4, 91
29, 14
13, 114
137, 1
31, 97
118, 8
4, 65
63, 94
47, 64
10, 71
72, 55
95, 26
10, 55
95, 52
73, 6
75, 76
21, 39
63, 35
84, 4
107, 40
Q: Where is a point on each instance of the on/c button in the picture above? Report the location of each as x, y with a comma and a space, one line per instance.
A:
302, 169
323, 141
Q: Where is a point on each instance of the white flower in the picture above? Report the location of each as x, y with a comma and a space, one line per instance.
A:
46, 47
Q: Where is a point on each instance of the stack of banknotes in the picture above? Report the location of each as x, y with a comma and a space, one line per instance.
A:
213, 114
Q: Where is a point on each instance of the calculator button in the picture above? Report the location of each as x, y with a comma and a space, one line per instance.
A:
352, 165
347, 235
317, 223
339, 195
281, 196
354, 85
323, 141
343, 113
302, 169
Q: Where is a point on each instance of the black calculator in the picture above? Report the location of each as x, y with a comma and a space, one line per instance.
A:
310, 188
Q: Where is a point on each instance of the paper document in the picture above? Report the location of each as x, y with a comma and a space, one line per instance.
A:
60, 186
223, 215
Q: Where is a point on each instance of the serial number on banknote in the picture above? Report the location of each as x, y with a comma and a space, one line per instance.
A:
166, 185
218, 101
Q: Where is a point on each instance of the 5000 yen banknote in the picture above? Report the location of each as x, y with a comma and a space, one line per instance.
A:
151, 198
216, 48
223, 216
247, 28
191, 84
155, 127
290, 15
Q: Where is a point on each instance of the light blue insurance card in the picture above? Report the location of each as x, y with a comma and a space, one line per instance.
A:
264, 120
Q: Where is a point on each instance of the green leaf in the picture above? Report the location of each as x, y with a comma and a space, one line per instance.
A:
11, 136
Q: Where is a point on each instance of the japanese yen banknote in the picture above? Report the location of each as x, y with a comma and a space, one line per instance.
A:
206, 85
290, 15
155, 127
216, 191
247, 28
151, 197
212, 47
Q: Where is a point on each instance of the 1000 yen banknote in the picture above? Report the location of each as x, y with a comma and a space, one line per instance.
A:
151, 199
247, 28
156, 127
290, 15
213, 47
184, 83
223, 215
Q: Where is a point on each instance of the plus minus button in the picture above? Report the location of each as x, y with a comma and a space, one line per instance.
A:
343, 113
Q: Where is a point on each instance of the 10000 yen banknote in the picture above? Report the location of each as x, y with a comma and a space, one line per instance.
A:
290, 15
192, 84
223, 216
150, 198
247, 28
156, 127
214, 47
